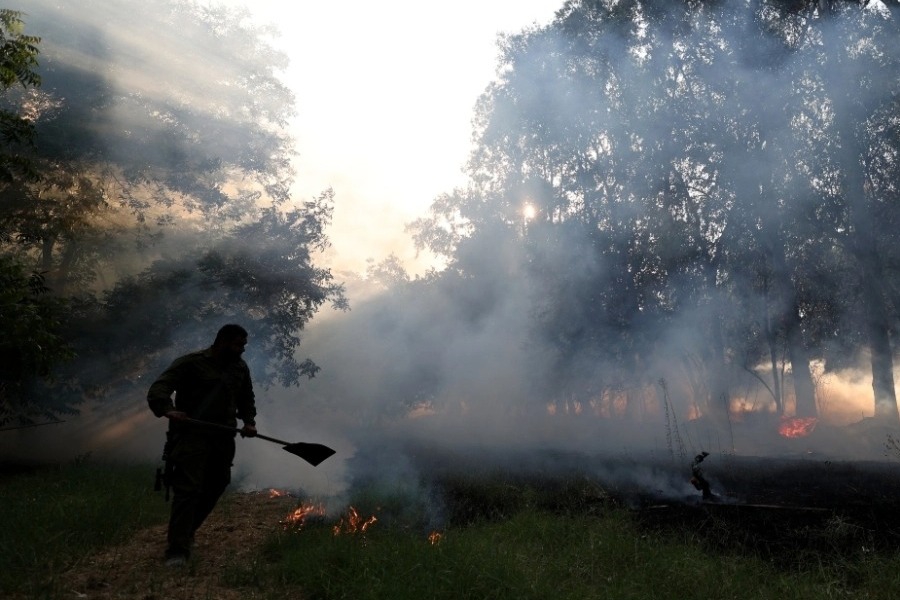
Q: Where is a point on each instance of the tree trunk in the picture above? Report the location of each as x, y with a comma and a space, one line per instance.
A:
804, 391
772, 342
877, 330
864, 245
719, 385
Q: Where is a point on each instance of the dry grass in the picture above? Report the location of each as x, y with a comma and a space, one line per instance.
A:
135, 570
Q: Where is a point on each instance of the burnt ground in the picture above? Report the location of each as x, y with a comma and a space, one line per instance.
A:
789, 508
784, 508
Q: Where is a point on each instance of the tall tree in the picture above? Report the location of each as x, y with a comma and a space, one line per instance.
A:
864, 45
689, 170
164, 198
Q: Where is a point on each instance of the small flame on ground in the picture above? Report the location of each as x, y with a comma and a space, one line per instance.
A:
797, 427
434, 537
273, 493
353, 523
299, 515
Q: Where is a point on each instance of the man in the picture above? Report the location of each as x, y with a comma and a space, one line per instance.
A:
697, 479
214, 386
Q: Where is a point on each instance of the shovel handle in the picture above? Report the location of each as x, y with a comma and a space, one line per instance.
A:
233, 429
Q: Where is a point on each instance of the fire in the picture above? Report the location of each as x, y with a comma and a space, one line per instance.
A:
434, 537
299, 515
353, 523
273, 493
797, 426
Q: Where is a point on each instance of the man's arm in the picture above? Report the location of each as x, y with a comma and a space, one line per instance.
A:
159, 396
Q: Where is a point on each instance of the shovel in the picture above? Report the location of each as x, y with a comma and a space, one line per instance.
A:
314, 454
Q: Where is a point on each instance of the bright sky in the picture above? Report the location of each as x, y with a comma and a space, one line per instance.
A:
385, 92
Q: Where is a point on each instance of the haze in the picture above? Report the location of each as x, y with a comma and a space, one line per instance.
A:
618, 212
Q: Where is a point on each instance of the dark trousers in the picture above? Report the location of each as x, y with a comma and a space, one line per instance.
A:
201, 472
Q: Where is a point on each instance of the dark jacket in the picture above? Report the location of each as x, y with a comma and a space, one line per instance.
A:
205, 388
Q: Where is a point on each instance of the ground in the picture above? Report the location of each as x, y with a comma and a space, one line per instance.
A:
781, 507
790, 508
135, 570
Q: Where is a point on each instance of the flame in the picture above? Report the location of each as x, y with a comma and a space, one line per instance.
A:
353, 523
273, 493
797, 426
298, 516
434, 537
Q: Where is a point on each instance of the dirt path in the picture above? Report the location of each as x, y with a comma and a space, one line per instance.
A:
226, 543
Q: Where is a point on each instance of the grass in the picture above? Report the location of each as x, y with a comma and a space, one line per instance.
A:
508, 537
54, 517
502, 537
537, 554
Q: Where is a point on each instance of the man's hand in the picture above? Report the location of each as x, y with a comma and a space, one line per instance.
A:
176, 415
248, 430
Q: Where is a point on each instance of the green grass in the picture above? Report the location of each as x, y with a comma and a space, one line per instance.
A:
564, 539
502, 538
537, 554
54, 517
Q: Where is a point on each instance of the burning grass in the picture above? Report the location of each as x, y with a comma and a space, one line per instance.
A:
513, 536
539, 554
487, 534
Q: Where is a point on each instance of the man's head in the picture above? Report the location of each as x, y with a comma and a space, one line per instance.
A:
230, 341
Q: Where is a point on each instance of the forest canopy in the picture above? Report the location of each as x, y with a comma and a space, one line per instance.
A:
152, 199
702, 197
671, 206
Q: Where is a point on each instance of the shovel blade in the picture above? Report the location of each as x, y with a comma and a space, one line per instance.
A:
314, 454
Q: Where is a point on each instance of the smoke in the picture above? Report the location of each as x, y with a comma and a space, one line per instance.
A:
447, 371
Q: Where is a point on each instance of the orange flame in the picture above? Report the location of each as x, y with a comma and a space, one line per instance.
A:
273, 493
434, 537
298, 516
797, 427
353, 523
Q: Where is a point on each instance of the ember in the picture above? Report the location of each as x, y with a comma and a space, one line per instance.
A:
353, 523
299, 515
434, 537
797, 427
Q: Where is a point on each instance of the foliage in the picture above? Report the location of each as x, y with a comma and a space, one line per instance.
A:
710, 199
163, 210
272, 286
29, 317
32, 344
18, 63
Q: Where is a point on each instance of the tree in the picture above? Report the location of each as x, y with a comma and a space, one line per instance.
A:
32, 345
692, 167
863, 129
18, 61
30, 318
163, 206
272, 286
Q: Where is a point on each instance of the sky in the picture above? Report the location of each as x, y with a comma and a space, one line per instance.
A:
385, 93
